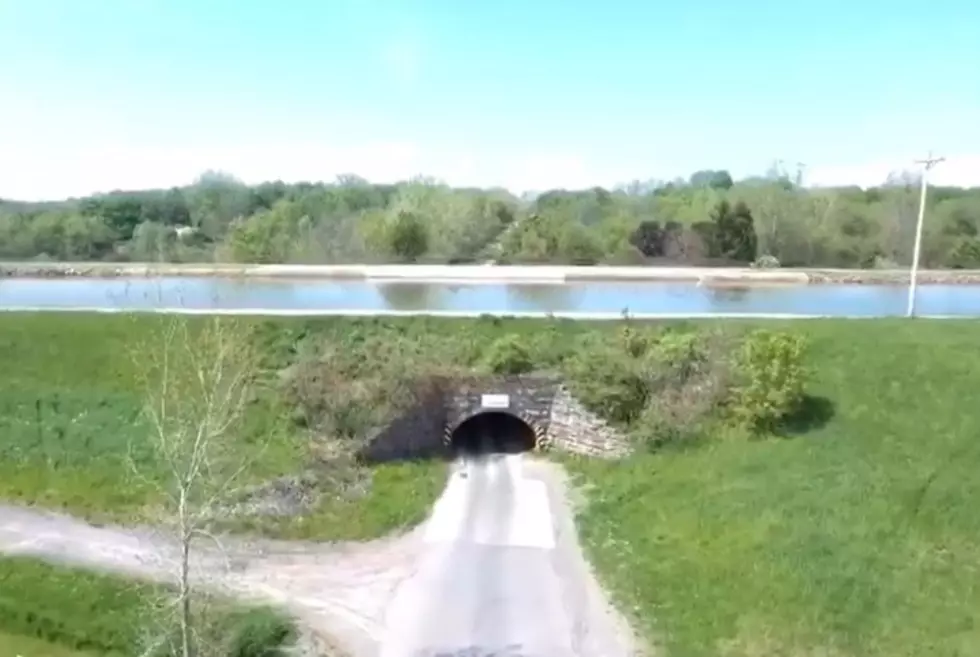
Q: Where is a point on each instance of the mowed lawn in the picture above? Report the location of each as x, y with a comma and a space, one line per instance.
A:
73, 437
855, 535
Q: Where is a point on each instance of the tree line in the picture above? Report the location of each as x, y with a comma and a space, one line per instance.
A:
706, 219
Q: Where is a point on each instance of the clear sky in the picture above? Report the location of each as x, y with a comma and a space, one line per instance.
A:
529, 94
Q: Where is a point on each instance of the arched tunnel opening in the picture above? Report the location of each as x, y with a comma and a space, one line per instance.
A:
492, 432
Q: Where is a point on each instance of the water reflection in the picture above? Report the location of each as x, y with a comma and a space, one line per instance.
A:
408, 296
543, 297
728, 296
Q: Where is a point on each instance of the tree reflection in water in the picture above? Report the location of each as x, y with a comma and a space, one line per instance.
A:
543, 297
409, 296
727, 295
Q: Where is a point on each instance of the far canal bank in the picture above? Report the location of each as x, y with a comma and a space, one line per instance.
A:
491, 274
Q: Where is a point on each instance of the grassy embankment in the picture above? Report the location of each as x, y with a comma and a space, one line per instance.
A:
70, 406
852, 535
857, 535
70, 415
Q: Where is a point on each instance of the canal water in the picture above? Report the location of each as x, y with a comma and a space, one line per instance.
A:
364, 296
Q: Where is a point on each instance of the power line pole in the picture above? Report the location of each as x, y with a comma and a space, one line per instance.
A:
927, 164
800, 176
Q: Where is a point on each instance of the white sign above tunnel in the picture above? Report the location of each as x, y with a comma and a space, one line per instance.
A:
495, 401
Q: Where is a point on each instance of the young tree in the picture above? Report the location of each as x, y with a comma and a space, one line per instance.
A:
199, 375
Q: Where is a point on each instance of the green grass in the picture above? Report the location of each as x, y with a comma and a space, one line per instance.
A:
70, 417
854, 535
72, 608
71, 402
56, 610
857, 534
13, 645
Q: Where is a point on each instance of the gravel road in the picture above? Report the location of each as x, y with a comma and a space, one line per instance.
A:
495, 572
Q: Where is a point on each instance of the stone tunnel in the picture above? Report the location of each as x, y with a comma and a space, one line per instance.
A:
490, 401
492, 431
499, 414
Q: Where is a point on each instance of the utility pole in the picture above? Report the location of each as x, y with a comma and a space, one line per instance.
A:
800, 176
927, 164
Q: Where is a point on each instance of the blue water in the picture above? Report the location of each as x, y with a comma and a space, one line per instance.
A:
208, 293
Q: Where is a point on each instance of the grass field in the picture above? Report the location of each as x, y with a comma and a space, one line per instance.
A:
70, 410
70, 609
855, 535
70, 416
55, 611
23, 646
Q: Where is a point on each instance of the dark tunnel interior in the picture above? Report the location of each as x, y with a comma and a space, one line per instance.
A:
492, 432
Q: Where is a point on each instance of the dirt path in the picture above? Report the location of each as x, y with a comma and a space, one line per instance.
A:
365, 598
339, 591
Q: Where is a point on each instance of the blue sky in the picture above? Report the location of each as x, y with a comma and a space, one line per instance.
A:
100, 94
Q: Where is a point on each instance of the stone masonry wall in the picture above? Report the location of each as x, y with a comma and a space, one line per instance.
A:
557, 418
573, 428
416, 433
530, 399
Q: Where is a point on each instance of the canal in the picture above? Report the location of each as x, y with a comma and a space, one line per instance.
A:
362, 296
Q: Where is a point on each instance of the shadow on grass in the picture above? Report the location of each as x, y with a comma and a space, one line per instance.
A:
813, 413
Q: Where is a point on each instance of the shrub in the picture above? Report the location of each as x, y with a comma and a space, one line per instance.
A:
608, 382
261, 633
688, 376
636, 339
663, 386
660, 385
771, 379
509, 355
766, 262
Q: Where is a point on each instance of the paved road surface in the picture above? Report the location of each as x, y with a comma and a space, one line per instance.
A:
498, 579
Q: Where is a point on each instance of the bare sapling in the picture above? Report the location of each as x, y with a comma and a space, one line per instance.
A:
199, 376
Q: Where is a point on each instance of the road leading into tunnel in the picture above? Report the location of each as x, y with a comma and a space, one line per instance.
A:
502, 575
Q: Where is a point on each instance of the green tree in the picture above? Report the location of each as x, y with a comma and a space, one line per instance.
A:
408, 237
734, 232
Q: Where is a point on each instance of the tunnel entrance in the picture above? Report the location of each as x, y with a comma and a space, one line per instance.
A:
492, 432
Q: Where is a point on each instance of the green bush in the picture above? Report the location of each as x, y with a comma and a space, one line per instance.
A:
608, 382
261, 633
659, 385
675, 384
770, 379
509, 355
688, 377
